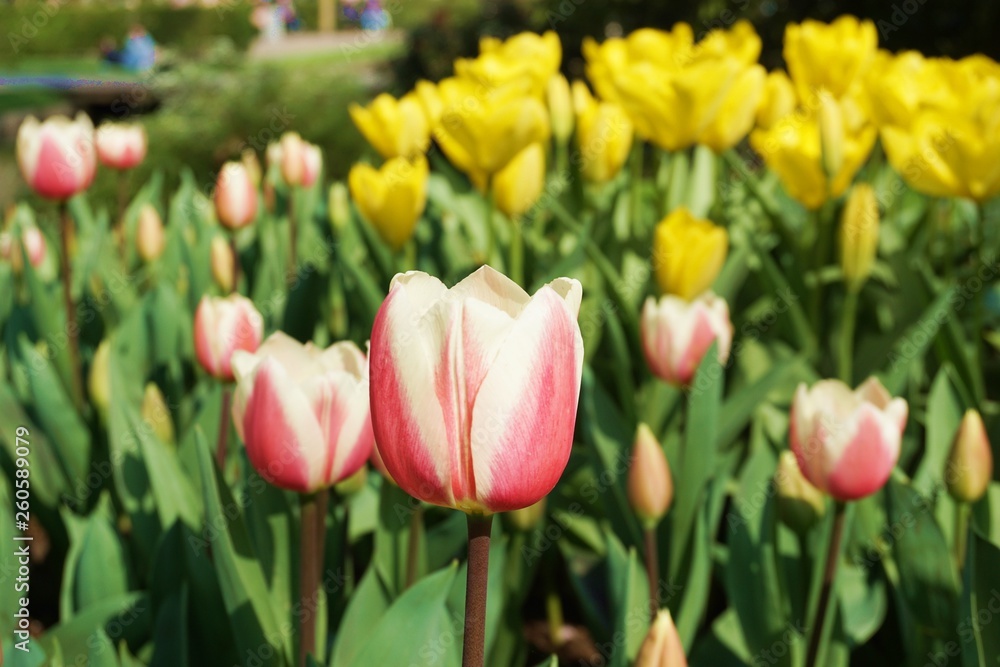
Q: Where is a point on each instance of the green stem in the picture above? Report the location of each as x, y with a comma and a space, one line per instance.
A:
635, 184
816, 291
961, 532
119, 231
845, 353
826, 607
516, 251
236, 262
292, 234
474, 642
413, 545
651, 552
491, 232
72, 329
223, 440
978, 316
409, 259
308, 574
553, 606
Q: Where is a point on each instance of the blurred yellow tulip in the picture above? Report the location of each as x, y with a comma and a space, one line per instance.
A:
859, 235
828, 56
688, 253
778, 100
392, 198
481, 130
395, 128
560, 103
603, 134
678, 93
525, 57
426, 92
518, 186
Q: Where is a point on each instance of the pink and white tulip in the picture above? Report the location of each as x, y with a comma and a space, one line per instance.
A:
297, 159
847, 442
676, 334
474, 389
303, 412
312, 162
57, 157
235, 196
121, 145
221, 327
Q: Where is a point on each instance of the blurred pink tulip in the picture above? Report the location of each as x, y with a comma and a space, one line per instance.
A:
235, 196
222, 326
474, 389
303, 412
662, 646
312, 162
33, 242
846, 442
57, 156
676, 334
121, 145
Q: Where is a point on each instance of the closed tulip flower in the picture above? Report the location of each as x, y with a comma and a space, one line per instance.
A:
475, 388
303, 412
603, 133
970, 464
221, 327
223, 264
677, 333
778, 101
312, 163
525, 57
688, 253
662, 646
859, 235
395, 128
481, 130
649, 486
99, 378
846, 442
150, 239
392, 198
560, 102
57, 157
235, 196
831, 57
291, 158
518, 186
121, 145
430, 101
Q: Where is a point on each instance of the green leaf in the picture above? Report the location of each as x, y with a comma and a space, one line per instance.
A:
702, 184
979, 642
170, 631
944, 413
910, 348
48, 479
629, 591
97, 567
102, 652
124, 617
369, 603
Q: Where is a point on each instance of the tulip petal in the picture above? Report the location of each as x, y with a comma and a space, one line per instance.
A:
867, 461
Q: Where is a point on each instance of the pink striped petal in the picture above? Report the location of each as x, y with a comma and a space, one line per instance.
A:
866, 463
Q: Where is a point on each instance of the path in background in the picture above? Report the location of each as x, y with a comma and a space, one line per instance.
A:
314, 43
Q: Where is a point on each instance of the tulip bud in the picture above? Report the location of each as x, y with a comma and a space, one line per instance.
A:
970, 464
688, 253
778, 100
398, 128
603, 133
662, 646
477, 388
676, 334
353, 483
800, 504
392, 198
338, 206
57, 157
859, 235
235, 196
847, 443
518, 186
150, 239
560, 108
831, 133
303, 412
222, 326
248, 158
121, 145
292, 158
527, 518
650, 487
312, 163
99, 380
156, 414
223, 264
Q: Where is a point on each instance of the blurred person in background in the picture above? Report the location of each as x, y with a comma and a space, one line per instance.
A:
137, 55
268, 18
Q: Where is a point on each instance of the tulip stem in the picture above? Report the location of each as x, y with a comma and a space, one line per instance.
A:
223, 440
236, 262
822, 614
554, 613
491, 232
72, 331
413, 545
845, 356
119, 231
292, 233
308, 573
474, 643
652, 555
516, 252
961, 532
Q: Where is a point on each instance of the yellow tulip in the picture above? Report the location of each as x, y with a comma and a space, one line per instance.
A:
560, 104
392, 198
938, 123
678, 93
603, 134
859, 235
828, 56
524, 57
481, 130
518, 186
688, 253
426, 92
778, 100
395, 128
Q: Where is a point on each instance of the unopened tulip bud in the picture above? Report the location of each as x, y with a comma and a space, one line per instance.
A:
121, 145
831, 133
223, 264
662, 646
526, 518
688, 253
221, 327
292, 158
312, 163
800, 504
338, 206
859, 235
235, 196
156, 414
150, 239
99, 380
970, 465
560, 108
518, 186
352, 484
650, 487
